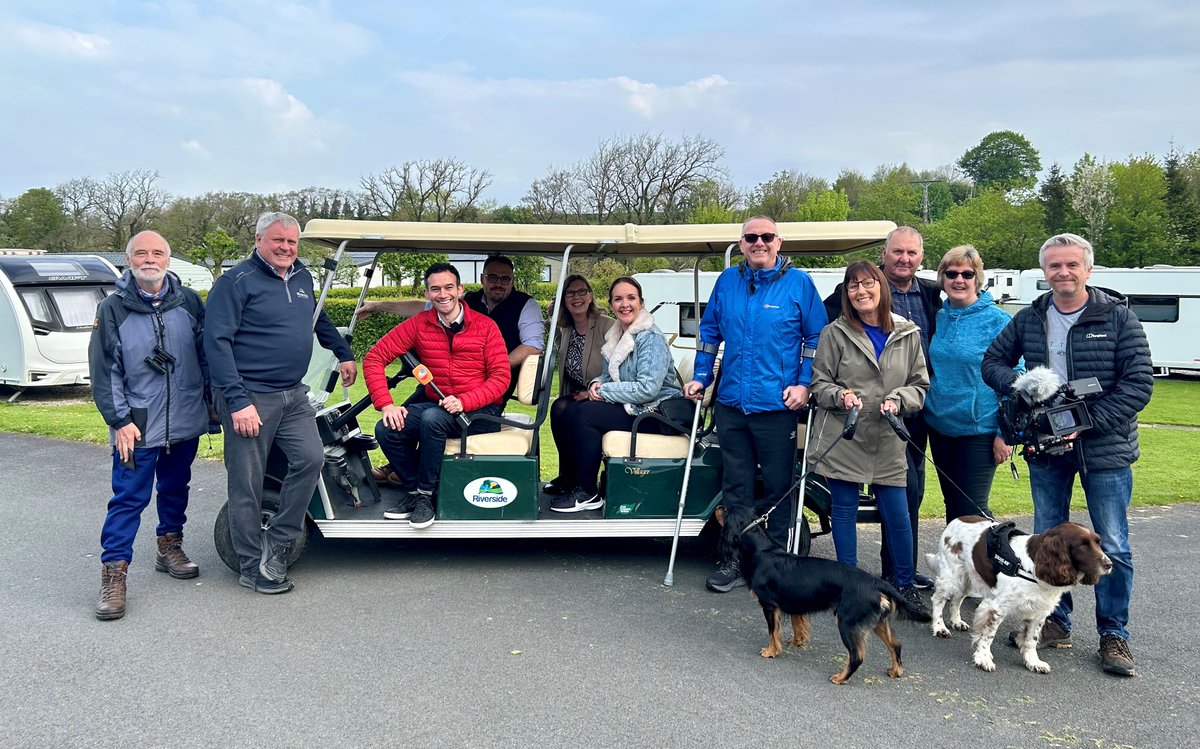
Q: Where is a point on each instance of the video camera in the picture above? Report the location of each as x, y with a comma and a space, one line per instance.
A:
1042, 411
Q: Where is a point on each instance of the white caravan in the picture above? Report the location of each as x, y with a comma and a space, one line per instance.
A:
668, 296
1166, 298
47, 307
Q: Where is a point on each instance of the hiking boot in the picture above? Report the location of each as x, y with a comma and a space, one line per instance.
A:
913, 598
577, 501
727, 577
266, 587
112, 590
402, 509
1053, 636
922, 582
273, 564
171, 558
1115, 656
422, 513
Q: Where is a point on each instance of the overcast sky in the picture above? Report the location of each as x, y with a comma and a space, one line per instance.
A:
264, 96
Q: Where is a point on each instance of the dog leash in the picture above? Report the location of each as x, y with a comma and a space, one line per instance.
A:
903, 433
848, 428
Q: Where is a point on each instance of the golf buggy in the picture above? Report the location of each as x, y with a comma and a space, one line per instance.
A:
662, 485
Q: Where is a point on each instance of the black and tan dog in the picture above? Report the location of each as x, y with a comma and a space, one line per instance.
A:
798, 586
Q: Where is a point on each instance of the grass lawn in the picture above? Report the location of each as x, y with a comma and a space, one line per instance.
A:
1162, 476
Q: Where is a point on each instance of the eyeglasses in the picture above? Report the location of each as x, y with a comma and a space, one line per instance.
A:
866, 283
767, 238
577, 292
953, 274
493, 278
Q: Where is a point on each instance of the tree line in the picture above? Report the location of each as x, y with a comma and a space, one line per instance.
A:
1141, 211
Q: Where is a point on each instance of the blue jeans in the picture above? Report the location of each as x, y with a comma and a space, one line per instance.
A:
1107, 493
131, 495
893, 507
415, 451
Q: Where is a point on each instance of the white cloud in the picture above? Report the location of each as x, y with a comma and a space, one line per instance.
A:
276, 101
196, 148
60, 42
649, 98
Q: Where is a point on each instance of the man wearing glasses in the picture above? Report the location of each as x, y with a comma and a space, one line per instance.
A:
516, 313
918, 300
769, 316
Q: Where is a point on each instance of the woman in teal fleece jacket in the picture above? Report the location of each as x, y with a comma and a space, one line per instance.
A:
960, 408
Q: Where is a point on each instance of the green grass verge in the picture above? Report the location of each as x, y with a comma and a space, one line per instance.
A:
1162, 476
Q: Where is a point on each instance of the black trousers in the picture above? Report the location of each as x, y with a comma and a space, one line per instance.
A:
966, 468
761, 440
915, 490
583, 426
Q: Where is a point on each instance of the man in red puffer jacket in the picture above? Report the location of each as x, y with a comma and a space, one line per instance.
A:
465, 353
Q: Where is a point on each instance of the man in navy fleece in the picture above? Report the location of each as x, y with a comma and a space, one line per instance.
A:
258, 341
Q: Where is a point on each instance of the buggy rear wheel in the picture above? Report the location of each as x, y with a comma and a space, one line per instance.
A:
270, 505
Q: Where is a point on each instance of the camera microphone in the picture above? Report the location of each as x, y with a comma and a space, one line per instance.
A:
1038, 385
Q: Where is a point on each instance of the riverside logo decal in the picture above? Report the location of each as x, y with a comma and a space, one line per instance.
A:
490, 491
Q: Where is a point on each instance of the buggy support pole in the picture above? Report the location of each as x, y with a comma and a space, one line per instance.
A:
793, 536
669, 580
330, 266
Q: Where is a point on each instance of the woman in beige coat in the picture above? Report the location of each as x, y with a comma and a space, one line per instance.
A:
581, 330
870, 358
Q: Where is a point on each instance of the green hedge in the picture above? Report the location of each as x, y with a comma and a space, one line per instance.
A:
339, 305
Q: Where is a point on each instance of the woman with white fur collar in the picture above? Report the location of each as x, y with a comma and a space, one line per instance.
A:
638, 374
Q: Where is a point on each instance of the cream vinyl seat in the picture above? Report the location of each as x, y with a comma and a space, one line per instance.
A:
509, 440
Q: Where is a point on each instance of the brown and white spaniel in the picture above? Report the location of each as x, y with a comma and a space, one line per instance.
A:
1054, 561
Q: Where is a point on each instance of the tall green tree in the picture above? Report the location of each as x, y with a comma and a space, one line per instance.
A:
1138, 230
1183, 206
1006, 233
782, 197
1003, 159
889, 196
213, 250
825, 205
36, 220
1056, 202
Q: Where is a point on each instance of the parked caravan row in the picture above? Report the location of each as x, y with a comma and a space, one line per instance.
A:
1165, 298
47, 307
668, 296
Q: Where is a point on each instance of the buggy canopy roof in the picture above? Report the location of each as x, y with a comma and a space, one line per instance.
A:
799, 238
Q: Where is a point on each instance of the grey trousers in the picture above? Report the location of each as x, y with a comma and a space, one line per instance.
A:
289, 423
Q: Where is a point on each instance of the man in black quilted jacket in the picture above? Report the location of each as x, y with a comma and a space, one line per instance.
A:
1083, 331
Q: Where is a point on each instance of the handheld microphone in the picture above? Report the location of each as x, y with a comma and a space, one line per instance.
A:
425, 377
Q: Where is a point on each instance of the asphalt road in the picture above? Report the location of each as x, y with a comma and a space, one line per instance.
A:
549, 643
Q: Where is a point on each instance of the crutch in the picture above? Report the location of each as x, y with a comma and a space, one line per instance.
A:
669, 580
793, 536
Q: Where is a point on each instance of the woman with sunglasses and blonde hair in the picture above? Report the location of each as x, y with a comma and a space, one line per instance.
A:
869, 358
581, 330
961, 408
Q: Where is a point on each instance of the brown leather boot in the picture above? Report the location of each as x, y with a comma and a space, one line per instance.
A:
112, 591
171, 558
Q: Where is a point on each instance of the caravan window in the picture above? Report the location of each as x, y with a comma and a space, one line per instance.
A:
1155, 308
39, 311
76, 307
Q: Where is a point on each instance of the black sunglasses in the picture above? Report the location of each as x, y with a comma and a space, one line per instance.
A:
953, 274
767, 238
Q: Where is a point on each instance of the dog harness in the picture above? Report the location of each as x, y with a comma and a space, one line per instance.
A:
1000, 552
